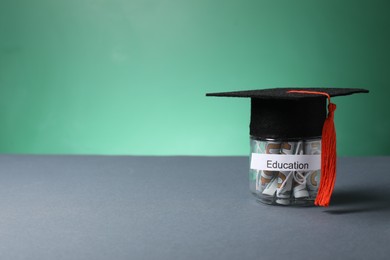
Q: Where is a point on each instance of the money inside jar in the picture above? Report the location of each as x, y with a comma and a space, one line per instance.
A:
289, 186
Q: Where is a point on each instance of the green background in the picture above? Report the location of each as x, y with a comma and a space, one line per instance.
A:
129, 77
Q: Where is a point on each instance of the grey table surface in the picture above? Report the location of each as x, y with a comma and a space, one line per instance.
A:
108, 207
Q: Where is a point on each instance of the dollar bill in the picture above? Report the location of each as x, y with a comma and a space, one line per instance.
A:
313, 177
268, 179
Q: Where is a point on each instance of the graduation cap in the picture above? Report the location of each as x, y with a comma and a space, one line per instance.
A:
298, 113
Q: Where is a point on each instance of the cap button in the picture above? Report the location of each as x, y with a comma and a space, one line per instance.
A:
331, 107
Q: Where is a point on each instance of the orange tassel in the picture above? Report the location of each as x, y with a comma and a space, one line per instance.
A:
328, 153
328, 159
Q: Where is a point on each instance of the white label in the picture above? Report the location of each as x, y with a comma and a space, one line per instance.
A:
284, 162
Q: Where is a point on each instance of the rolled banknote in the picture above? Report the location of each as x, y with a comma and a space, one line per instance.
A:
283, 191
254, 174
313, 177
299, 178
258, 147
268, 179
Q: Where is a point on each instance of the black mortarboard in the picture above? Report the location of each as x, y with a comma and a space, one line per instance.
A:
288, 113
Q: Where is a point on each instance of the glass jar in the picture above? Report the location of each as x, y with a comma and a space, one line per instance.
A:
295, 177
